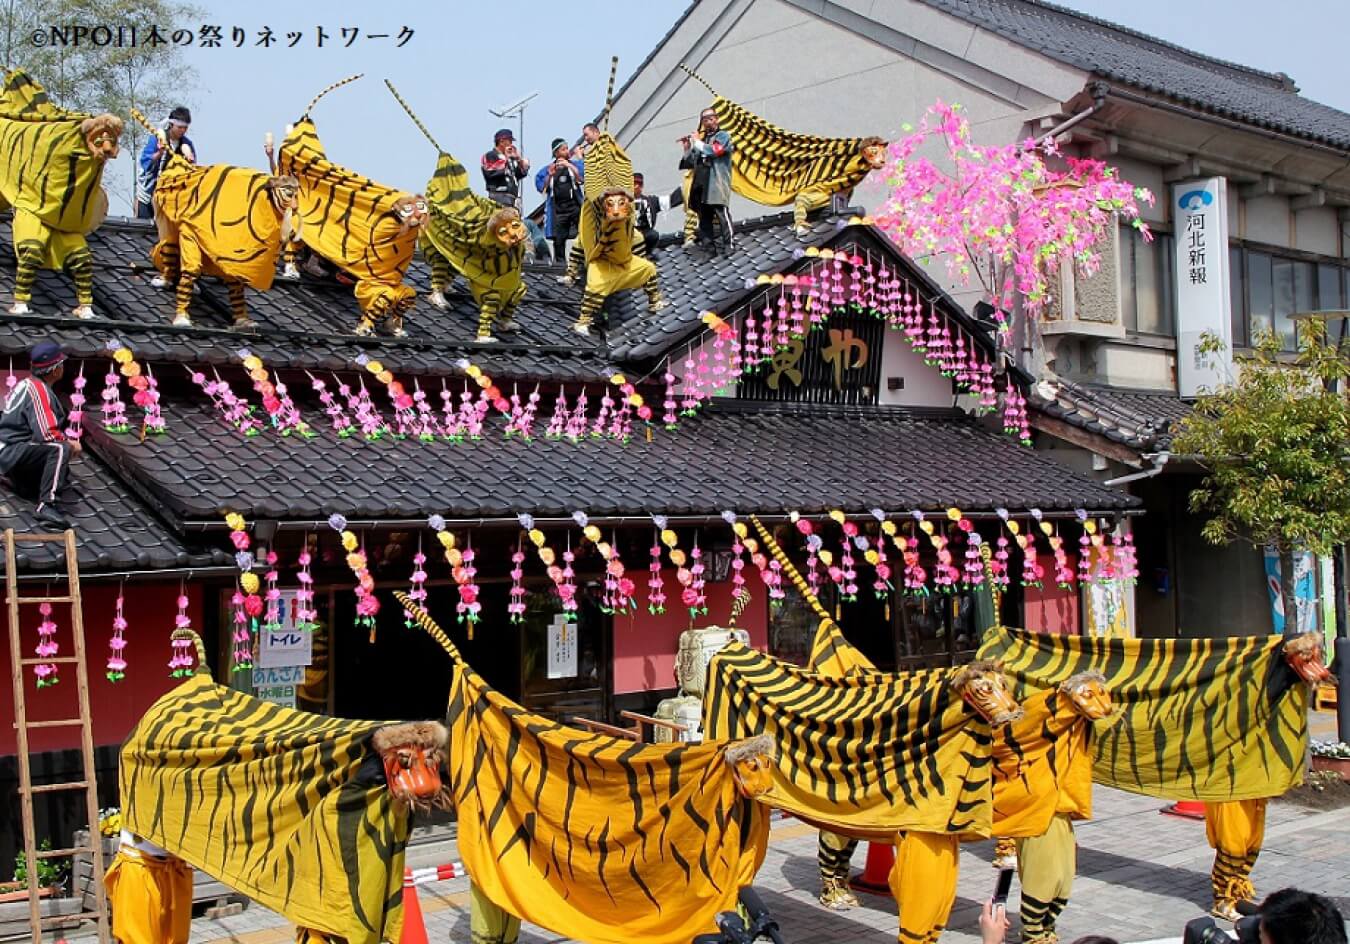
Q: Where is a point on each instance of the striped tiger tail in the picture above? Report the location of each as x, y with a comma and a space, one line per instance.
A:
609, 91
417, 121
336, 85
423, 619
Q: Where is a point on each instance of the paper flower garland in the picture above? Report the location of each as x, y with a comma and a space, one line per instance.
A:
180, 665
656, 582
276, 400
516, 608
47, 648
117, 662
75, 421
740, 596
337, 415
697, 601
114, 410
272, 599
232, 409
557, 424
417, 589
306, 616
367, 604
242, 654
469, 608
670, 405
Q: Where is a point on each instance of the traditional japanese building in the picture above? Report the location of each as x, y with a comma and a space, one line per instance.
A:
844, 415
1269, 237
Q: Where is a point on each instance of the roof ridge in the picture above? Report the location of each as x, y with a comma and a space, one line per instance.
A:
1278, 80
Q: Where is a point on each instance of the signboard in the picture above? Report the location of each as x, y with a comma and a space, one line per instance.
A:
1200, 209
562, 648
278, 685
288, 645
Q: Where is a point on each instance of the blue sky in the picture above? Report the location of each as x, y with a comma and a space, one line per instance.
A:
467, 57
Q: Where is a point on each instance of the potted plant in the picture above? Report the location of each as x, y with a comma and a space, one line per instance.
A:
51, 876
1332, 756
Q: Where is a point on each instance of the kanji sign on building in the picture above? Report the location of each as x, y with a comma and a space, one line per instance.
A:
1200, 212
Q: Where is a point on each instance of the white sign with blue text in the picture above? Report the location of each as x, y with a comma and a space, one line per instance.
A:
1200, 214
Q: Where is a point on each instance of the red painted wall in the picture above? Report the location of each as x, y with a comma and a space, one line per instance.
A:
1052, 609
645, 645
149, 609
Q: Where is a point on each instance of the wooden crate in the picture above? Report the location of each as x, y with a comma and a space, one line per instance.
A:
1324, 698
219, 898
14, 917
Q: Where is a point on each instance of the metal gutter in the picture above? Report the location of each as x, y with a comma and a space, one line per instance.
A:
186, 573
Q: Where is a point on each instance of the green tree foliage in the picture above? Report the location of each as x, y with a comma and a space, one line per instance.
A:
1276, 444
104, 78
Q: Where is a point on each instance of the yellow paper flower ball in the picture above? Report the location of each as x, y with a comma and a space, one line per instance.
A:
234, 521
374, 366
349, 541
356, 561
837, 515
252, 363
871, 557
537, 537
122, 355
453, 556
888, 528
131, 369
827, 558
740, 529
954, 514
669, 538
618, 380
249, 581
547, 556
446, 538
677, 557
385, 377
592, 533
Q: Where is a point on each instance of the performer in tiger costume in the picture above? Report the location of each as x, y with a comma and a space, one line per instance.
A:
593, 837
52, 176
474, 236
775, 167
364, 228
607, 230
223, 221
307, 815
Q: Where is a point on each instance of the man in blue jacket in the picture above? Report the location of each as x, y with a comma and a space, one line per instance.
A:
33, 447
560, 182
155, 158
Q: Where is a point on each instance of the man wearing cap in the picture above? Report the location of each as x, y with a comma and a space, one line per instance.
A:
504, 168
32, 446
646, 208
155, 158
560, 182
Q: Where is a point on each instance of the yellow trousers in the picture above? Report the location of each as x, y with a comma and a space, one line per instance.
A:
1235, 829
310, 936
923, 881
489, 924
151, 898
1045, 868
807, 201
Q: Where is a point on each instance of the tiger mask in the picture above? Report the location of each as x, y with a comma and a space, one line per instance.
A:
618, 206
873, 152
411, 211
1304, 655
284, 193
1088, 694
751, 763
507, 227
983, 686
102, 136
412, 755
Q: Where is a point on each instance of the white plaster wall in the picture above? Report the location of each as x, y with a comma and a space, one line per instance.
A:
1143, 174
1126, 365
924, 385
1316, 230
1267, 219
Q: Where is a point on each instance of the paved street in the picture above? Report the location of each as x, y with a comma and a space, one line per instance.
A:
1141, 876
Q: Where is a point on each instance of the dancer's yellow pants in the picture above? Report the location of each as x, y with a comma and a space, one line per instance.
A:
489, 924
1235, 829
151, 898
1045, 868
923, 881
807, 201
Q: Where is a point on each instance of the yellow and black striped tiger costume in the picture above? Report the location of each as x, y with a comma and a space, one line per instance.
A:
1221, 720
595, 838
772, 166
52, 177
222, 221
289, 808
366, 229
474, 236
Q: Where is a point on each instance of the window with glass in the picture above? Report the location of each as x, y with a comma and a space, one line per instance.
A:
1268, 288
1147, 284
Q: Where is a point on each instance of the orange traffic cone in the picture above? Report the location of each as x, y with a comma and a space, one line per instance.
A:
1187, 809
414, 928
876, 871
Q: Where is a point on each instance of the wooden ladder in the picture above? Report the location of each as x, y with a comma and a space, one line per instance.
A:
21, 723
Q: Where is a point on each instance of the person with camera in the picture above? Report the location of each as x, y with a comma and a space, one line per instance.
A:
708, 150
561, 184
503, 169
1288, 916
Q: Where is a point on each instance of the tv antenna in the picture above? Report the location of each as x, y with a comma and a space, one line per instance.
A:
516, 110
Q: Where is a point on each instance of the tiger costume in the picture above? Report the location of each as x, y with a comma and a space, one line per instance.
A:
52, 177
1220, 720
772, 166
364, 228
307, 815
593, 837
222, 221
606, 230
474, 236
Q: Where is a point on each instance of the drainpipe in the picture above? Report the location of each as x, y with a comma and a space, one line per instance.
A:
1159, 463
1098, 91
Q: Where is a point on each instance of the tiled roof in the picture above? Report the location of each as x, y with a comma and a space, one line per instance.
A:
304, 325
1140, 419
1114, 52
114, 531
731, 456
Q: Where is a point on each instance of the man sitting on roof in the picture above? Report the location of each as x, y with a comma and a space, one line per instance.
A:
33, 449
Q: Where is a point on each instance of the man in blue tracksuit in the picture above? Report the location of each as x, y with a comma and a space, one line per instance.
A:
34, 452
560, 182
155, 158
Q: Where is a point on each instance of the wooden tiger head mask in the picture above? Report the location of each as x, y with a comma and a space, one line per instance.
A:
1088, 694
985, 688
412, 755
618, 206
412, 211
873, 152
1304, 655
102, 135
507, 227
284, 192
751, 763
